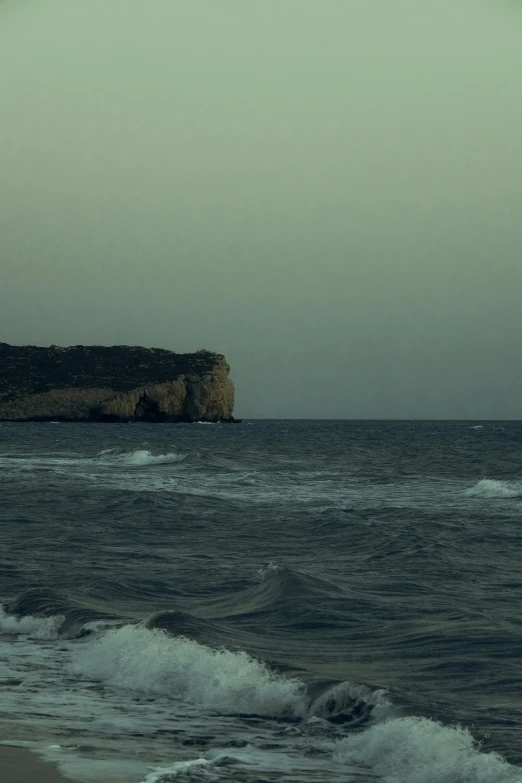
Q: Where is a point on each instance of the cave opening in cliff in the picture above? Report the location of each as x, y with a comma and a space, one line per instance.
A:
148, 410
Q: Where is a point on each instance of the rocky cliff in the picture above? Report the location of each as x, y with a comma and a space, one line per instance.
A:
120, 383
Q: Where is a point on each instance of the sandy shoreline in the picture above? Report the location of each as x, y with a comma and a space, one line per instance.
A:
19, 765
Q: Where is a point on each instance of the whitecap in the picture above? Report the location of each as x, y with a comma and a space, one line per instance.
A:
148, 660
419, 750
34, 627
142, 457
160, 774
490, 488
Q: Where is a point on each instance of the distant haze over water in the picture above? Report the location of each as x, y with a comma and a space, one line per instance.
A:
327, 193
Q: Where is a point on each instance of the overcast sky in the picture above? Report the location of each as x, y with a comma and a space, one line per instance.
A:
329, 192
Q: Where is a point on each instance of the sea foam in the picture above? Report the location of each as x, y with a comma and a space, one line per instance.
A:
35, 627
419, 750
489, 488
143, 457
148, 660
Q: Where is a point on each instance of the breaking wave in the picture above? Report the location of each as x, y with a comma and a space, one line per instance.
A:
351, 704
401, 750
140, 659
44, 613
419, 750
142, 457
490, 488
35, 627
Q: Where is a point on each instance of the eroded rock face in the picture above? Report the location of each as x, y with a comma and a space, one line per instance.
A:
118, 383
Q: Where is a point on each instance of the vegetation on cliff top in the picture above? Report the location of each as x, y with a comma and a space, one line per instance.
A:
31, 369
117, 383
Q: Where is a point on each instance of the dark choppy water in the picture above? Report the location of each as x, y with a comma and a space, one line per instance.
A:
267, 601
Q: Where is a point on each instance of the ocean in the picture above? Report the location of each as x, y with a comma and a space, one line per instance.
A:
294, 601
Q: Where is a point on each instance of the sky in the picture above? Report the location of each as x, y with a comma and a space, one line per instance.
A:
328, 192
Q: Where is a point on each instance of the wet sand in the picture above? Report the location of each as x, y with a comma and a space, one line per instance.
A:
18, 765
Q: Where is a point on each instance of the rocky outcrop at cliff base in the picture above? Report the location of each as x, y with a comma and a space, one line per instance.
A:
118, 383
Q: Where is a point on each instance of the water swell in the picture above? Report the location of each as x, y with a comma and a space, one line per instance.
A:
63, 616
178, 623
282, 597
145, 659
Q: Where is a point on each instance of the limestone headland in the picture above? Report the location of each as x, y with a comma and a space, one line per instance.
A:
113, 384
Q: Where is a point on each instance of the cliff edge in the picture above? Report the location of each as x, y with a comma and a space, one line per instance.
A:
118, 383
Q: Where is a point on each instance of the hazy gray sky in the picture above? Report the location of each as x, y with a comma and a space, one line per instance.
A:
329, 192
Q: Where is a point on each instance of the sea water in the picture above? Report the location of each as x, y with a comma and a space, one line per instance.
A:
322, 601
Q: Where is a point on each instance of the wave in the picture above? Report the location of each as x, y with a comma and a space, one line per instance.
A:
162, 774
401, 750
62, 616
106, 458
490, 488
252, 764
351, 704
35, 627
289, 597
419, 750
142, 457
178, 623
282, 598
148, 660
